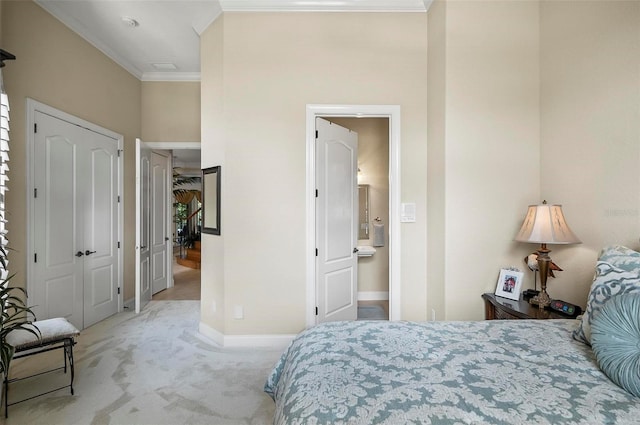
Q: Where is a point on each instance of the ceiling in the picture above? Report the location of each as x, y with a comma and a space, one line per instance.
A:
159, 40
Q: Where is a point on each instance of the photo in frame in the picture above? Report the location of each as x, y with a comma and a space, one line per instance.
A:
509, 284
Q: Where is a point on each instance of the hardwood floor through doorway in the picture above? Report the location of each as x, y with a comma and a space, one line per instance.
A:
186, 285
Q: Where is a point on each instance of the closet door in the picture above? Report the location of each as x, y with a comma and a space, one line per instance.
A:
75, 223
100, 228
58, 207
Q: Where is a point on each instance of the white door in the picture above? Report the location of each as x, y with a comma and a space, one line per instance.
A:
159, 231
75, 222
336, 222
143, 204
101, 229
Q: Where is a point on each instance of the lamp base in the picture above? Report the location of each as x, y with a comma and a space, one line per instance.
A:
542, 300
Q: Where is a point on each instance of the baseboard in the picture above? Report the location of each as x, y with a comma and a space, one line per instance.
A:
212, 334
373, 296
277, 341
130, 304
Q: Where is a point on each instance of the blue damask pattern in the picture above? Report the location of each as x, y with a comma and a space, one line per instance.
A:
489, 372
617, 273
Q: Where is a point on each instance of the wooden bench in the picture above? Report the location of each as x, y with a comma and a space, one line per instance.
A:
55, 334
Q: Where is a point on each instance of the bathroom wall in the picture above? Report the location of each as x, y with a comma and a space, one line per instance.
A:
373, 161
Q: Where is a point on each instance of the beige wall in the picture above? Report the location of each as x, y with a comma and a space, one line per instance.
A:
590, 131
373, 162
349, 58
436, 170
485, 110
212, 153
56, 67
170, 111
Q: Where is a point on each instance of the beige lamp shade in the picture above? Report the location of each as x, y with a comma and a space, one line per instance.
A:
545, 224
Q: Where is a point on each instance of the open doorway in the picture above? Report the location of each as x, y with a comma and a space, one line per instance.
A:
185, 222
391, 113
373, 214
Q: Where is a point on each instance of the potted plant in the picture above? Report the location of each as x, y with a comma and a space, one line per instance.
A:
15, 315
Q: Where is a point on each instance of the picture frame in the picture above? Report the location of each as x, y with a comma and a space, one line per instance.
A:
211, 184
509, 284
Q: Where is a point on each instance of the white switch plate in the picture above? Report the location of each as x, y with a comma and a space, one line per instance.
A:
238, 312
408, 212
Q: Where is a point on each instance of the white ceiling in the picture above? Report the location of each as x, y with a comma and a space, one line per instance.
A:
168, 30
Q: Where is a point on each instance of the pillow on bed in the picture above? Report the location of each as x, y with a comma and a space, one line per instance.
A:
621, 257
609, 281
615, 338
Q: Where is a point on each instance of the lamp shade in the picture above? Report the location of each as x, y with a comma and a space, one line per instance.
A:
546, 224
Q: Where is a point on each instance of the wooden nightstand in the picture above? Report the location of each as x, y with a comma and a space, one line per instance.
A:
496, 308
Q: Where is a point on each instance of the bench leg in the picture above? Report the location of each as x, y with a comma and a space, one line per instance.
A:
6, 394
68, 351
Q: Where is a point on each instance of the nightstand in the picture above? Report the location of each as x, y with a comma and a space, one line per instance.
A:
498, 308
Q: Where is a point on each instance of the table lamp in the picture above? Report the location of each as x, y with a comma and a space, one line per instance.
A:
545, 224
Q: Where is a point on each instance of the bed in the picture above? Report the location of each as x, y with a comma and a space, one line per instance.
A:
578, 371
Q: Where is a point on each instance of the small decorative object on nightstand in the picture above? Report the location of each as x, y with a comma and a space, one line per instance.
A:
501, 308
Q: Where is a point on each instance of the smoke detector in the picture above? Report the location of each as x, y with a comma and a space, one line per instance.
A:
130, 22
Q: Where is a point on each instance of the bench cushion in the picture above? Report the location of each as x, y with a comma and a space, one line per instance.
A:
51, 330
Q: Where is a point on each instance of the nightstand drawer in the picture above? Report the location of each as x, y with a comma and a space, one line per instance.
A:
503, 315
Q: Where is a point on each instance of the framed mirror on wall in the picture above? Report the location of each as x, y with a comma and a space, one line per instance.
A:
211, 200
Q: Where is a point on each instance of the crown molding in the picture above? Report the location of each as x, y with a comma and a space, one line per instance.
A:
82, 31
325, 6
170, 76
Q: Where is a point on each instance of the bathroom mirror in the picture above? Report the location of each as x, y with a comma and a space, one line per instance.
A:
211, 200
363, 211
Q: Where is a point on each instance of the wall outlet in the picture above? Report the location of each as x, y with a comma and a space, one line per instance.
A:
238, 312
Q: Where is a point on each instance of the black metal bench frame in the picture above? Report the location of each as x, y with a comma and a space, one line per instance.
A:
65, 343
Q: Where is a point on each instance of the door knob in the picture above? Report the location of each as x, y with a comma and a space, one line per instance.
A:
79, 254
166, 239
87, 252
355, 250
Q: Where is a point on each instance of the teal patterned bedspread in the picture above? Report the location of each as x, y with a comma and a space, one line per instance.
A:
488, 372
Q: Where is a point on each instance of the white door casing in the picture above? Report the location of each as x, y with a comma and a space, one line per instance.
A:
160, 249
392, 112
336, 222
143, 205
74, 223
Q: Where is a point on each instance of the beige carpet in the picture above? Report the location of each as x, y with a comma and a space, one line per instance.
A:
151, 368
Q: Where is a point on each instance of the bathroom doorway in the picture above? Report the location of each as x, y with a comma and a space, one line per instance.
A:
373, 213
390, 115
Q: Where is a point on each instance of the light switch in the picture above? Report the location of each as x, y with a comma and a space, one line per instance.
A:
408, 213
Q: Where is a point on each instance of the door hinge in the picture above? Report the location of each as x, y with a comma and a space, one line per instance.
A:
316, 193
35, 127
118, 244
119, 150
316, 252
316, 311
118, 290
118, 198
35, 192
316, 134
35, 257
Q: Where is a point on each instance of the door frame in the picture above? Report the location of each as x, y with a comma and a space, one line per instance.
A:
31, 107
392, 112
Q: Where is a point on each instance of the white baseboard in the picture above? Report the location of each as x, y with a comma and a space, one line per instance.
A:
373, 296
130, 304
278, 341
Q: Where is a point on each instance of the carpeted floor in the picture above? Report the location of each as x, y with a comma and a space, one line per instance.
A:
151, 368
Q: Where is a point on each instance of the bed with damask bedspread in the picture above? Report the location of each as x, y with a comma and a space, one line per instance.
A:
486, 372
584, 371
